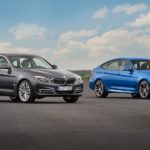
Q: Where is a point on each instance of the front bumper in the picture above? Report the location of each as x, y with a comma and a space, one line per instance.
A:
52, 90
92, 83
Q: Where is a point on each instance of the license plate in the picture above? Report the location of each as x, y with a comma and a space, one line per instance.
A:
65, 88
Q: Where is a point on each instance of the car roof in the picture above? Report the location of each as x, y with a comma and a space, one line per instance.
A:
132, 58
16, 54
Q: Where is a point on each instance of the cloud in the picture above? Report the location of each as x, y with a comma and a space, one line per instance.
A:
143, 40
69, 35
112, 42
75, 44
142, 20
4, 46
94, 47
28, 31
129, 9
101, 13
120, 42
81, 54
7, 47
61, 53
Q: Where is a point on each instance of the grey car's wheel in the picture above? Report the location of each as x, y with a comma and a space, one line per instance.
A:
70, 99
14, 98
100, 89
144, 89
25, 92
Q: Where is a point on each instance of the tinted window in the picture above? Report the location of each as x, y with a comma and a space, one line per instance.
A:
115, 65
40, 63
141, 64
111, 65
122, 64
21, 62
3, 61
29, 62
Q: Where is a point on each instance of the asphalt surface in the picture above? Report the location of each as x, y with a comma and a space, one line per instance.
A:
114, 123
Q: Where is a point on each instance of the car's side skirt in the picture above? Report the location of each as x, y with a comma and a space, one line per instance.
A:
121, 91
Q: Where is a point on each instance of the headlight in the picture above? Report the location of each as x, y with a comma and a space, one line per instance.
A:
42, 79
79, 80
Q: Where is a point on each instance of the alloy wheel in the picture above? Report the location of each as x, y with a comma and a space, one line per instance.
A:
99, 88
24, 91
144, 89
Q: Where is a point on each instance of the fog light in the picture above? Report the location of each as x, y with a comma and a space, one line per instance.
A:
48, 91
78, 90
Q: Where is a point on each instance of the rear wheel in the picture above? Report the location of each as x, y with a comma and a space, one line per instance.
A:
25, 92
144, 89
100, 89
70, 99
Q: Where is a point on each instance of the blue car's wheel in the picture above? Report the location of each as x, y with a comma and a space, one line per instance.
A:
100, 89
144, 89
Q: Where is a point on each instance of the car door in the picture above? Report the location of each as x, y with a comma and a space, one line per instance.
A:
111, 74
7, 78
127, 77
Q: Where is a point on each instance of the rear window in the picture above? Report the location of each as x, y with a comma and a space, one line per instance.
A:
141, 64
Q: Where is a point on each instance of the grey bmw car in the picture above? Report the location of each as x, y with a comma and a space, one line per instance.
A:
25, 78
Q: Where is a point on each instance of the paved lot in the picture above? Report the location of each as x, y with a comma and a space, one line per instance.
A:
115, 123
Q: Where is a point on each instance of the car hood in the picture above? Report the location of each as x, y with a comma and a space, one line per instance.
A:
52, 73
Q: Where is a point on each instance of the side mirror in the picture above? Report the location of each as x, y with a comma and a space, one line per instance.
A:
54, 66
128, 68
6, 66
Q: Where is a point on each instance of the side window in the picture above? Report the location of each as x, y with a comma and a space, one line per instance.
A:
3, 61
112, 65
141, 65
136, 66
25, 63
122, 64
15, 63
40, 63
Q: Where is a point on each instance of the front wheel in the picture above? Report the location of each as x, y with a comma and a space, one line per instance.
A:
70, 99
144, 89
25, 92
100, 89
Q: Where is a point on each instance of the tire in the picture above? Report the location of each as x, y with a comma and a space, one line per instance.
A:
14, 98
71, 99
25, 92
144, 89
135, 95
99, 89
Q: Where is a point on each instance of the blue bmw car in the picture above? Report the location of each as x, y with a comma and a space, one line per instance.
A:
122, 75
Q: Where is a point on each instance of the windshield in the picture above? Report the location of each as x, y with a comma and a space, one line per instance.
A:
141, 64
29, 62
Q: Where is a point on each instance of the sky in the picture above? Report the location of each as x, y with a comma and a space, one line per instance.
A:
76, 34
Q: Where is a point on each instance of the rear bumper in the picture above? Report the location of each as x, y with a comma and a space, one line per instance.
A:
52, 90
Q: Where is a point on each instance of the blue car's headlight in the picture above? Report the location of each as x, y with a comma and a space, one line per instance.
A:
42, 79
